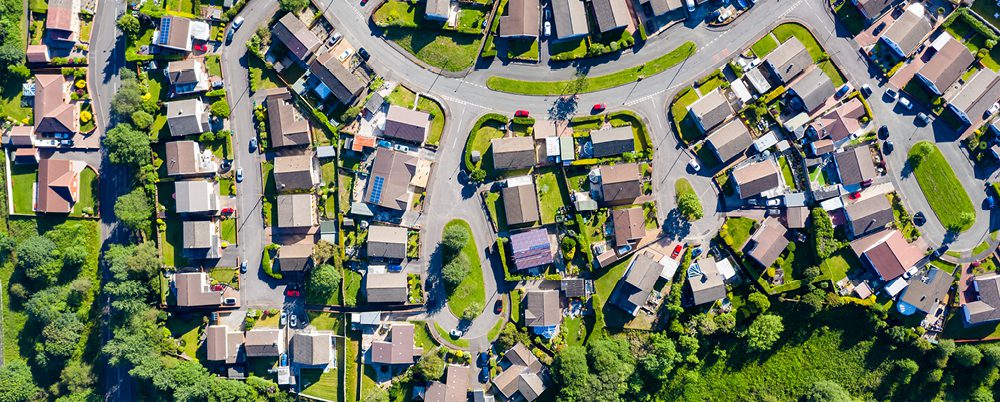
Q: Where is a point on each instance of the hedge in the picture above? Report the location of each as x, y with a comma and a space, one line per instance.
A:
502, 251
471, 139
973, 22
524, 121
266, 262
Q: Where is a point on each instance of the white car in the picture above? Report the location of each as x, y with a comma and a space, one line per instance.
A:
294, 321
905, 102
993, 109
401, 148
456, 333
891, 95
347, 53
237, 23
284, 319
693, 164
548, 29
335, 38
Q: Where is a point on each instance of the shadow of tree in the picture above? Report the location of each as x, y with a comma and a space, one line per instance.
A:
675, 226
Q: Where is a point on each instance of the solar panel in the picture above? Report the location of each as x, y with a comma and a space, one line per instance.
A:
164, 30
376, 195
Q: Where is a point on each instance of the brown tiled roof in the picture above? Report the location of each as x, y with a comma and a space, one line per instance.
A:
730, 140
795, 217
869, 214
59, 15
393, 170
294, 172
523, 376
513, 153
182, 158
179, 35
193, 290
288, 127
58, 185
454, 389
630, 224
855, 165
22, 136
398, 349
295, 35
620, 183
53, 113
757, 177
947, 64
521, 19
520, 204
406, 124
542, 308
767, 243
872, 9
888, 253
344, 85
37, 53
840, 123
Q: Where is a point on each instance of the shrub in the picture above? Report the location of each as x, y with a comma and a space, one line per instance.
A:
220, 108
267, 263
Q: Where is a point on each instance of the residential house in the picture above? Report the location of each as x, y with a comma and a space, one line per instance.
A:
196, 197
332, 78
986, 306
386, 287
187, 159
710, 110
286, 126
296, 210
706, 282
630, 225
187, 76
62, 22
295, 257
925, 292
389, 182
542, 314
387, 242
523, 377
313, 349
194, 290
58, 187
520, 203
521, 20
767, 243
201, 240
187, 117
296, 36
513, 153
755, 178
175, 33
872, 9
887, 253
908, 31
610, 14
868, 215
621, 184
656, 8
730, 140
972, 101
373, 104
406, 124
796, 217
223, 345
454, 389
37, 54
822, 147
295, 172
855, 166
841, 123
950, 60
788, 60
813, 89
612, 141
570, 19
759, 83
530, 249
54, 114
398, 349
635, 286
437, 10
264, 342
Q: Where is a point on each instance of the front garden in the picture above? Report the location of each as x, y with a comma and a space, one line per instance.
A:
941, 188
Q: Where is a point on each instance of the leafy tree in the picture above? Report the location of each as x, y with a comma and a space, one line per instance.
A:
688, 346
511, 336
128, 98
764, 332
689, 206
568, 246
45, 305
982, 394
16, 383
232, 390
919, 152
477, 175
135, 210
758, 302
127, 146
453, 239
293, 5
907, 368
725, 323
78, 290
59, 338
660, 359
75, 256
37, 257
324, 281
827, 391
964, 219
967, 355
945, 348
612, 363
991, 355
821, 228
220, 108
456, 270
323, 251
813, 301
571, 373
430, 366
472, 311
129, 25
141, 119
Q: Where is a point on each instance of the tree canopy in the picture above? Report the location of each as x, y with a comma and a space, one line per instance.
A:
128, 146
324, 281
764, 332
134, 210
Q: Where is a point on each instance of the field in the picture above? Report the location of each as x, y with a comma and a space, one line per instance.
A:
471, 289
943, 191
551, 195
441, 49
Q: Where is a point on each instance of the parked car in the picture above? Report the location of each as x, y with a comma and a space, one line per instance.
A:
384, 144
401, 148
883, 132
693, 164
919, 219
923, 118
283, 320
677, 251
599, 108
547, 28
284, 360
484, 375
855, 195
891, 95
292, 293
200, 47
239, 175
498, 307
230, 301
253, 145
243, 267
364, 53
456, 333
990, 202
347, 53
237, 22
548, 14
905, 102
335, 38
842, 91
293, 321
866, 90
483, 360
521, 113
395, 268
878, 29
227, 211
888, 146
993, 109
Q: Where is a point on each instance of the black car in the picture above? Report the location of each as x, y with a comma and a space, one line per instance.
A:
919, 219
887, 147
483, 359
878, 29
498, 307
364, 54
883, 132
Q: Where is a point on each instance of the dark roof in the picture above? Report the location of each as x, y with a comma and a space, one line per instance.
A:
872, 9
294, 33
344, 85
855, 165
520, 204
926, 290
909, 30
312, 348
711, 109
530, 249
767, 243
454, 389
390, 178
634, 287
730, 140
813, 89
756, 177
570, 18
386, 288
187, 117
630, 225
788, 60
294, 172
660, 7
869, 214
987, 306
977, 95
707, 284
521, 18
513, 153
387, 242
542, 308
295, 257
288, 127
610, 14
398, 349
612, 141
573, 287
406, 124
620, 183
948, 63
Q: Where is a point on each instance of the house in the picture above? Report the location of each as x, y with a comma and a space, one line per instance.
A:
187, 76
193, 290
175, 33
296, 36
872, 9
388, 184
887, 253
37, 54
264, 342
813, 89
759, 83
373, 104
406, 124
513, 153
387, 242
386, 287
20, 136
201, 240
855, 166
530, 249
908, 31
788, 60
286, 126
730, 140
187, 117
196, 197
313, 349
542, 313
523, 377
868, 215
612, 141
520, 203
187, 159
398, 349
796, 217
630, 225
822, 147
757, 177
521, 20
950, 60
710, 110
332, 78
62, 21
437, 10
570, 19
635, 286
224, 346
54, 114
972, 101
767, 243
366, 321
925, 292
841, 123
656, 8
454, 389
986, 306
295, 257
610, 14
296, 210
621, 184
58, 187
295, 172
706, 282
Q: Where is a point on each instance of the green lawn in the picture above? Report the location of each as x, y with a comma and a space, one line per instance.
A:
471, 289
10, 102
790, 29
353, 293
184, 6
522, 49
346, 187
985, 245
683, 123
764, 45
398, 13
568, 49
585, 84
576, 330
605, 284
227, 231
681, 187
270, 186
462, 343
852, 18
840, 263
213, 65
261, 77
975, 40
943, 191
351, 367
326, 321
831, 71
786, 171
422, 336
186, 331
739, 229
88, 193
318, 384
225, 275
487, 133
446, 50
552, 194
494, 204
226, 186
23, 178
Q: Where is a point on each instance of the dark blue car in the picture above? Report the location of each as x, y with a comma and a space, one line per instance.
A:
484, 375
483, 359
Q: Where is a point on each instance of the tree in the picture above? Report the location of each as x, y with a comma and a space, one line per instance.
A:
821, 228
689, 206
827, 391
943, 351
16, 383
128, 98
455, 271
758, 302
324, 281
293, 5
37, 258
141, 119
59, 338
764, 332
991, 355
77, 377
220, 108
45, 305
920, 151
688, 346
472, 311
478, 175
323, 251
813, 301
430, 366
571, 372
127, 146
907, 368
965, 219
135, 210
660, 359
967, 355
455, 238
981, 394
568, 246
129, 25
511, 336
613, 363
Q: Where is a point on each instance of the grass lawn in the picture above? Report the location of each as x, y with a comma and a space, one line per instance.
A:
351, 366
442, 49
487, 133
225, 275
170, 248
786, 171
522, 49
739, 229
839, 264
941, 188
471, 289
353, 294
346, 187
788, 30
851, 17
10, 102
270, 187
86, 27
88, 193
576, 330
945, 265
494, 204
604, 285
682, 187
975, 40
552, 194
985, 245
326, 321
764, 45
213, 65
318, 384
397, 13
422, 336
568, 49
23, 178
184, 6
226, 186
585, 84
831, 71
227, 230
261, 77
683, 123
462, 343
187, 332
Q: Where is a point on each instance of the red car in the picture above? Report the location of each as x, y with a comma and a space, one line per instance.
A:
521, 113
292, 293
228, 211
200, 47
855, 195
676, 252
599, 107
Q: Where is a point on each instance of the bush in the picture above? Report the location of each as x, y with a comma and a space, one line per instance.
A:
267, 263
456, 270
141, 119
220, 108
